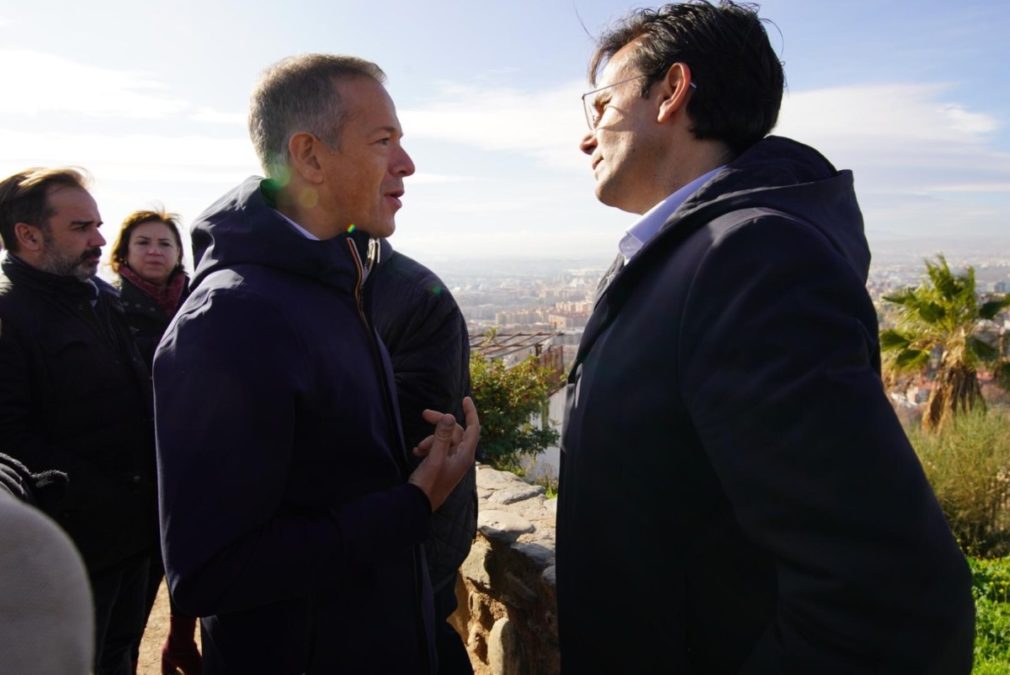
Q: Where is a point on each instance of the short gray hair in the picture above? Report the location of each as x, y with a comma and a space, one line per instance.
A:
300, 94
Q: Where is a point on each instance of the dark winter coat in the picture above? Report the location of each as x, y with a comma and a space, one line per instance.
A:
425, 333
736, 493
286, 518
145, 317
75, 397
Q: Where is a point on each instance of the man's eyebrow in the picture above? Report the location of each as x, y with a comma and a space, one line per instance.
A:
84, 222
390, 129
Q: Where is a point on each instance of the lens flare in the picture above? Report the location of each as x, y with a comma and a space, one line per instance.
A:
309, 198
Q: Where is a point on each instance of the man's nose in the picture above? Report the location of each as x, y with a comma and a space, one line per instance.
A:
404, 165
588, 143
99, 240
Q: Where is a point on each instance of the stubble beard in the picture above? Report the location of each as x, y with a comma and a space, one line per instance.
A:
81, 268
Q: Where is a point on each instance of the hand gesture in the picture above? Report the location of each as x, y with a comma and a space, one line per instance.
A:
448, 453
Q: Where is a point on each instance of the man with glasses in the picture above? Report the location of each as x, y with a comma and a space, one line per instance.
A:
727, 435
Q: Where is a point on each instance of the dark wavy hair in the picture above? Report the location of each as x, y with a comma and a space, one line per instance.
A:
121, 249
24, 198
738, 76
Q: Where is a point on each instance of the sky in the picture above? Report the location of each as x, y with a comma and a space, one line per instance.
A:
151, 98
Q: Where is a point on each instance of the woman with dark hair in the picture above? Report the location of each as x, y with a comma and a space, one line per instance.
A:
147, 256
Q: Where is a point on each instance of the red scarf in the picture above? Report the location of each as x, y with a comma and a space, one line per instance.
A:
167, 297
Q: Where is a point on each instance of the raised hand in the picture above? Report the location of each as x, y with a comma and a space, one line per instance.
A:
448, 453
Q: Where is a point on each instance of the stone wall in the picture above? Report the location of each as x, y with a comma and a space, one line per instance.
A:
506, 588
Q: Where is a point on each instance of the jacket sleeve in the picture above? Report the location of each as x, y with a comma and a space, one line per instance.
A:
780, 371
430, 354
226, 385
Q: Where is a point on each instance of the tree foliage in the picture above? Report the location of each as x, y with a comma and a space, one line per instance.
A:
942, 315
507, 400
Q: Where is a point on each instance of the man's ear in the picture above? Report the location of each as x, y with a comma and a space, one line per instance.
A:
674, 91
303, 151
29, 237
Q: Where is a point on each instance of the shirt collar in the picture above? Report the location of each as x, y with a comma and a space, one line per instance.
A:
298, 228
648, 226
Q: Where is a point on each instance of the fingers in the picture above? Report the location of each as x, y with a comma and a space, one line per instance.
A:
424, 447
472, 433
441, 443
444, 428
470, 413
433, 416
452, 434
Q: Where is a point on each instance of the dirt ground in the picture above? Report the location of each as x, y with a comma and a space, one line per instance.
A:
154, 636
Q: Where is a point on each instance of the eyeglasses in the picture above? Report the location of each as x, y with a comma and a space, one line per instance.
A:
593, 114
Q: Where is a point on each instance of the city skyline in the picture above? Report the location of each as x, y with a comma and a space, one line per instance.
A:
151, 99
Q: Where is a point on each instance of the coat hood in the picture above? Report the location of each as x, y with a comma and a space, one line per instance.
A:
244, 228
781, 174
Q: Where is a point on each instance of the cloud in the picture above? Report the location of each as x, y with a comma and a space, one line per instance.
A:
905, 128
892, 113
925, 164
505, 171
982, 187
218, 117
438, 179
45, 83
545, 125
924, 161
130, 157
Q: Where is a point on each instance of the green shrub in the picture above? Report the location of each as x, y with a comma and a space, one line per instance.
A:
968, 465
507, 399
992, 616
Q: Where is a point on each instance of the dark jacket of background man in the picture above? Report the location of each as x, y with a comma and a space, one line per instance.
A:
75, 396
425, 332
286, 519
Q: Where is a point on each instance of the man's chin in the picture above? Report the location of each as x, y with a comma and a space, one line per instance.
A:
616, 199
85, 271
379, 230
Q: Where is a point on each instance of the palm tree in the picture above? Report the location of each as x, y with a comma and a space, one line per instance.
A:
941, 316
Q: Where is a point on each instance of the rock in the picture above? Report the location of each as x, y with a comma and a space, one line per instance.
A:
539, 555
509, 616
515, 493
474, 567
502, 525
502, 646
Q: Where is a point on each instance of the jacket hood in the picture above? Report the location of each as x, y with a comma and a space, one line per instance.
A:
781, 174
244, 228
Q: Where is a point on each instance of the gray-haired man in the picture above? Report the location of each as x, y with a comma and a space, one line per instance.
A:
290, 517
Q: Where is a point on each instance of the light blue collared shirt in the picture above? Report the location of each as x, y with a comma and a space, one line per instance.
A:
298, 228
647, 227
